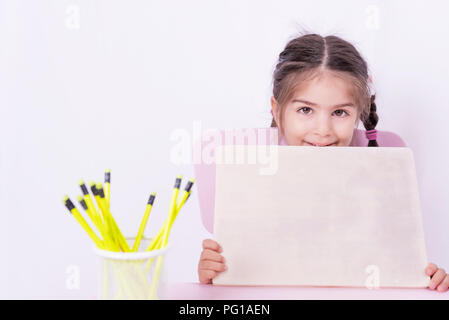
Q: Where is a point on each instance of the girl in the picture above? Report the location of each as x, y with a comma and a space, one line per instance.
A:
321, 90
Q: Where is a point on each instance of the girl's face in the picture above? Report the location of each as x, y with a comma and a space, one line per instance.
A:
322, 112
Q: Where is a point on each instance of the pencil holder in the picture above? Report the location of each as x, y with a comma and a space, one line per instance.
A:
138, 275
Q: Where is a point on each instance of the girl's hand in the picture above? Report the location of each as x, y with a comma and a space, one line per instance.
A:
439, 279
211, 261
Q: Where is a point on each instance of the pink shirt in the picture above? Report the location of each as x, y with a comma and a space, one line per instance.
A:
205, 173
384, 139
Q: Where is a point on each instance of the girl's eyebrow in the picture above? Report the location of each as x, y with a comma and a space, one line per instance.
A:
348, 104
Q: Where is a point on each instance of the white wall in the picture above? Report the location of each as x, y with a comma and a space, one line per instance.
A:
89, 85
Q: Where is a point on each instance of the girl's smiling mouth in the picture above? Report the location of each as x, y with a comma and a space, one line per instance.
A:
319, 145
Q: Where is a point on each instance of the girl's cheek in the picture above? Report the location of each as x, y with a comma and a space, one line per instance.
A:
299, 128
295, 132
345, 128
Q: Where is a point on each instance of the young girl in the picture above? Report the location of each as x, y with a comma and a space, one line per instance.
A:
321, 90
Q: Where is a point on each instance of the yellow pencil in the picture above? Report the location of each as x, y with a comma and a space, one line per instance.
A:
74, 211
113, 244
89, 213
96, 217
84, 205
107, 186
156, 242
172, 209
144, 222
166, 228
104, 235
170, 212
185, 196
121, 239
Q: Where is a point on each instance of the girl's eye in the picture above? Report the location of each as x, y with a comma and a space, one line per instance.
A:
339, 115
305, 109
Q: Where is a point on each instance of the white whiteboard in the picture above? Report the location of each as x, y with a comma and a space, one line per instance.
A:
335, 216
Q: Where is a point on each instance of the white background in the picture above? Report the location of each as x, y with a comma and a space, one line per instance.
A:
90, 85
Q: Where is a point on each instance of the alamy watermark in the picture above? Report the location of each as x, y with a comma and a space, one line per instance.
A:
373, 279
72, 281
372, 20
240, 146
72, 20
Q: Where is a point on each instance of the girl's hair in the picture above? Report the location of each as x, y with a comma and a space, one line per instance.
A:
308, 55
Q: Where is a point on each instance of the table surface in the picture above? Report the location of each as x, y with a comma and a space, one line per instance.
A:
197, 291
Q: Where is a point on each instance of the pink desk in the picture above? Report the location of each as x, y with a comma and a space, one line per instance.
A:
197, 291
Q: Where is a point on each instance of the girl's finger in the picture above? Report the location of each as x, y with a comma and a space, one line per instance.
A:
206, 276
444, 285
208, 254
431, 269
437, 278
211, 265
212, 245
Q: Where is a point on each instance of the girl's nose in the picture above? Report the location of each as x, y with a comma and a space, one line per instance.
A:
323, 126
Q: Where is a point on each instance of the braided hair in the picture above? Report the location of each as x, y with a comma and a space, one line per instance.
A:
370, 122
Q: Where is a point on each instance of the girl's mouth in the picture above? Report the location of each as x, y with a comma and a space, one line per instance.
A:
318, 145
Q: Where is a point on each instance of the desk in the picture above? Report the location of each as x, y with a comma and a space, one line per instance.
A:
197, 291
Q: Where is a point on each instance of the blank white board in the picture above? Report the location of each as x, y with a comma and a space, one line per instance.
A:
334, 216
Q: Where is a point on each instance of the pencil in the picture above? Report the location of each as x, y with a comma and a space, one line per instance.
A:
74, 211
96, 218
172, 208
88, 211
113, 244
144, 222
107, 186
185, 196
121, 239
101, 229
156, 242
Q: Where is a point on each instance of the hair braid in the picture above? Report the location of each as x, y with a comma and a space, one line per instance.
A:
371, 120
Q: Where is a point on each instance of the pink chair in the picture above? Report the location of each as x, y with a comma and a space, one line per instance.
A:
205, 172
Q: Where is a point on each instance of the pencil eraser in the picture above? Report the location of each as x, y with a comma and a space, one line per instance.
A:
107, 176
151, 200
68, 203
189, 186
94, 189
